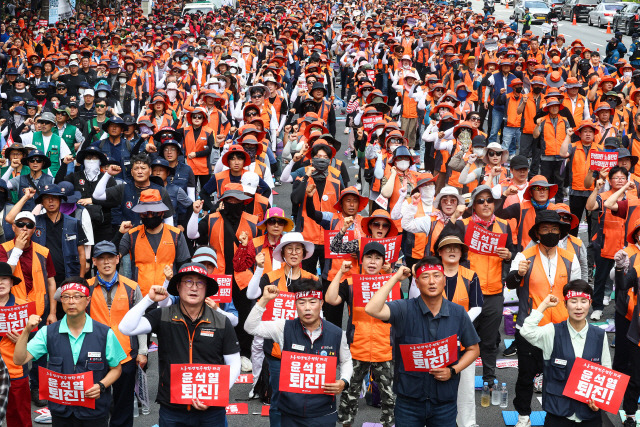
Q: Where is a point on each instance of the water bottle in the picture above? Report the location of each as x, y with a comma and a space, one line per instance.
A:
495, 394
485, 400
135, 407
504, 396
145, 409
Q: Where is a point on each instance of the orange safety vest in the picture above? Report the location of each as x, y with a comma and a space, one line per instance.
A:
311, 231
39, 276
121, 304
258, 244
529, 113
419, 245
410, 182
336, 224
222, 179
199, 165
553, 136
578, 112
488, 267
631, 297
610, 235
149, 265
580, 162
260, 206
513, 118
249, 224
461, 295
527, 220
533, 290
7, 348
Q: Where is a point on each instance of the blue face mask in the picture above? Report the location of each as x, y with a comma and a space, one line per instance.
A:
461, 94
610, 150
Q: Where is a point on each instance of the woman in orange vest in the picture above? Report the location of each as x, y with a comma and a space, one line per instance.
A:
369, 339
198, 141
400, 176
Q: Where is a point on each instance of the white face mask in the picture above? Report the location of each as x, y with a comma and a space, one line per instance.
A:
122, 81
102, 94
18, 119
628, 74
403, 165
171, 93
378, 132
246, 49
427, 193
81, 92
478, 151
201, 57
92, 168
393, 147
191, 40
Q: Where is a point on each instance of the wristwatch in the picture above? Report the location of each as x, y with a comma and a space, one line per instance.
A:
102, 387
346, 383
453, 371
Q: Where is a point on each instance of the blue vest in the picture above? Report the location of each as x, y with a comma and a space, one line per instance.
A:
26, 182
129, 200
310, 405
556, 372
121, 153
69, 241
61, 361
180, 176
180, 210
499, 84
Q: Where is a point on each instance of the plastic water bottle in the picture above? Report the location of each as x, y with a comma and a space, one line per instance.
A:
485, 400
145, 410
135, 407
504, 396
495, 394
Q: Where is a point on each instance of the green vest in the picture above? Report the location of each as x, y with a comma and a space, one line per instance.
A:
53, 153
69, 136
13, 194
90, 124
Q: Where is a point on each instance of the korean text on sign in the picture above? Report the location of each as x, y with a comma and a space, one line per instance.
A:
602, 160
328, 237
428, 356
281, 307
224, 288
14, 318
306, 373
364, 286
370, 120
66, 389
391, 246
207, 383
591, 381
482, 241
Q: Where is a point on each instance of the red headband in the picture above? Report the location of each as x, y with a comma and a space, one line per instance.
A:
576, 294
75, 287
429, 267
309, 294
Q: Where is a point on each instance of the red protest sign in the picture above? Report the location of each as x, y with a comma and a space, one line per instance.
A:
281, 307
602, 160
237, 409
482, 241
15, 317
591, 381
370, 120
428, 356
224, 288
66, 389
391, 246
328, 237
306, 373
364, 286
371, 75
244, 379
207, 383
264, 411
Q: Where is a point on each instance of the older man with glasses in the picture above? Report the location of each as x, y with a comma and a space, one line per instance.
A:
35, 179
48, 142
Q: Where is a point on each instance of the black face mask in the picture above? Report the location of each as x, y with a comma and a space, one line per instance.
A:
232, 210
320, 165
550, 240
152, 223
517, 89
537, 90
251, 150
446, 125
40, 96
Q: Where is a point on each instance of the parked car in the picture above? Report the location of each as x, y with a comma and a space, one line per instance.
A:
627, 19
603, 14
537, 8
556, 5
578, 8
504, 2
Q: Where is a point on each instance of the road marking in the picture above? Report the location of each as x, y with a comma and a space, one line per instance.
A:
597, 44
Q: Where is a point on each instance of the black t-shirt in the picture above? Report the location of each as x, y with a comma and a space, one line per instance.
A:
54, 243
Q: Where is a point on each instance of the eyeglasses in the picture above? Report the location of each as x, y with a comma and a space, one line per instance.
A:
275, 221
377, 224
21, 224
190, 284
449, 200
539, 188
251, 114
75, 298
36, 160
475, 119
197, 117
256, 95
494, 154
293, 250
482, 201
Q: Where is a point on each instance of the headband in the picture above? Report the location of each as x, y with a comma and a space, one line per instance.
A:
576, 294
75, 287
309, 294
429, 267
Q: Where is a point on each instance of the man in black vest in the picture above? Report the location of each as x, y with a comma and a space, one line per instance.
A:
309, 334
74, 344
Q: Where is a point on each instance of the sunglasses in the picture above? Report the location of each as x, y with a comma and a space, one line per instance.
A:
257, 95
197, 117
275, 221
101, 106
251, 114
380, 224
482, 201
475, 119
494, 154
21, 224
539, 188
36, 160
566, 218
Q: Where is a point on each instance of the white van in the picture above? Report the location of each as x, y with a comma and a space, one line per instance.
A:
203, 7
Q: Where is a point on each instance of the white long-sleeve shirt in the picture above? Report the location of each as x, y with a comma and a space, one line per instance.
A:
549, 265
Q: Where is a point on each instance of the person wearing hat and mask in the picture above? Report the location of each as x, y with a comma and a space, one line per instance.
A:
72, 345
400, 177
370, 345
257, 204
115, 145
48, 142
427, 318
532, 106
18, 409
160, 168
577, 104
535, 272
569, 242
613, 208
152, 244
500, 83
74, 117
112, 296
70, 134
463, 288
198, 139
309, 334
489, 171
287, 256
323, 107
195, 343
220, 231
553, 128
12, 169
171, 150
603, 112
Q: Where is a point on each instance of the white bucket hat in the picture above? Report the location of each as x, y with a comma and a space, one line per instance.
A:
448, 190
293, 237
